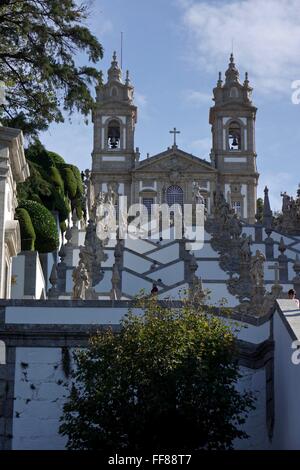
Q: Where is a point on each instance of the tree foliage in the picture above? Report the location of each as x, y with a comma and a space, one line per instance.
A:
44, 226
259, 210
39, 44
52, 182
165, 382
27, 231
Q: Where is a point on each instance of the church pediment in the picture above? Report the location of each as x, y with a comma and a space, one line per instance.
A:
174, 160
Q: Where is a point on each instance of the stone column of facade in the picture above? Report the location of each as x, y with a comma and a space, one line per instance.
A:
13, 170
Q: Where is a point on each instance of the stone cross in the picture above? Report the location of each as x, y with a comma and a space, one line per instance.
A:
277, 269
174, 131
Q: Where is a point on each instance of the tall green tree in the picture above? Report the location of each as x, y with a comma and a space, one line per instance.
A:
165, 382
40, 41
259, 210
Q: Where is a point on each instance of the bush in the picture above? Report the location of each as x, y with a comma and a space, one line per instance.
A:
56, 179
70, 181
52, 181
27, 231
166, 381
37, 153
56, 159
77, 175
61, 204
44, 226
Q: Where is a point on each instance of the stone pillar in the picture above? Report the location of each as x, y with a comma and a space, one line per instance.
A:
258, 233
269, 245
296, 279
283, 262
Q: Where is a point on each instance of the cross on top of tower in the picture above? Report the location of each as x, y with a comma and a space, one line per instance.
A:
174, 131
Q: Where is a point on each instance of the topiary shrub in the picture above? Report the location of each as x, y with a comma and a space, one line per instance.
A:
77, 175
37, 153
61, 205
27, 231
56, 159
63, 226
70, 181
44, 226
56, 179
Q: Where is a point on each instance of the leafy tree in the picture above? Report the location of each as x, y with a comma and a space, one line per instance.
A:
44, 226
26, 228
164, 382
259, 210
39, 43
53, 183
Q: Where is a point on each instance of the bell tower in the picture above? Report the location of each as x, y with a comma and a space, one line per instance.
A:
114, 118
233, 153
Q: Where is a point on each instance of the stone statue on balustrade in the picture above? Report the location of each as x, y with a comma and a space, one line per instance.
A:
245, 248
115, 293
104, 212
197, 196
81, 282
289, 220
257, 269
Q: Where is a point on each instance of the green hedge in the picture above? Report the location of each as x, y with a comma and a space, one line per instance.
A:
53, 183
37, 153
27, 231
56, 179
44, 226
70, 181
56, 159
62, 205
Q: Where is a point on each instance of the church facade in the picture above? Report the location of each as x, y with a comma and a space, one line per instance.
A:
172, 175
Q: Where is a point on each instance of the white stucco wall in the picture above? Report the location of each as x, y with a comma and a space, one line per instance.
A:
287, 390
255, 425
40, 280
18, 269
40, 392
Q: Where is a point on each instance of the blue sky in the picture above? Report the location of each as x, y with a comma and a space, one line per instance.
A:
174, 50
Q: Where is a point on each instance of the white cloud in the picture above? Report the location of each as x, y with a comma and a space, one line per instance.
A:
201, 146
140, 100
266, 37
197, 98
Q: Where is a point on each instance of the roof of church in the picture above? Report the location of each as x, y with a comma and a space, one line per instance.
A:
174, 150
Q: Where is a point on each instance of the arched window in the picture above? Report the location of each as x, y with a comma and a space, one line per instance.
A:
113, 135
234, 136
174, 195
